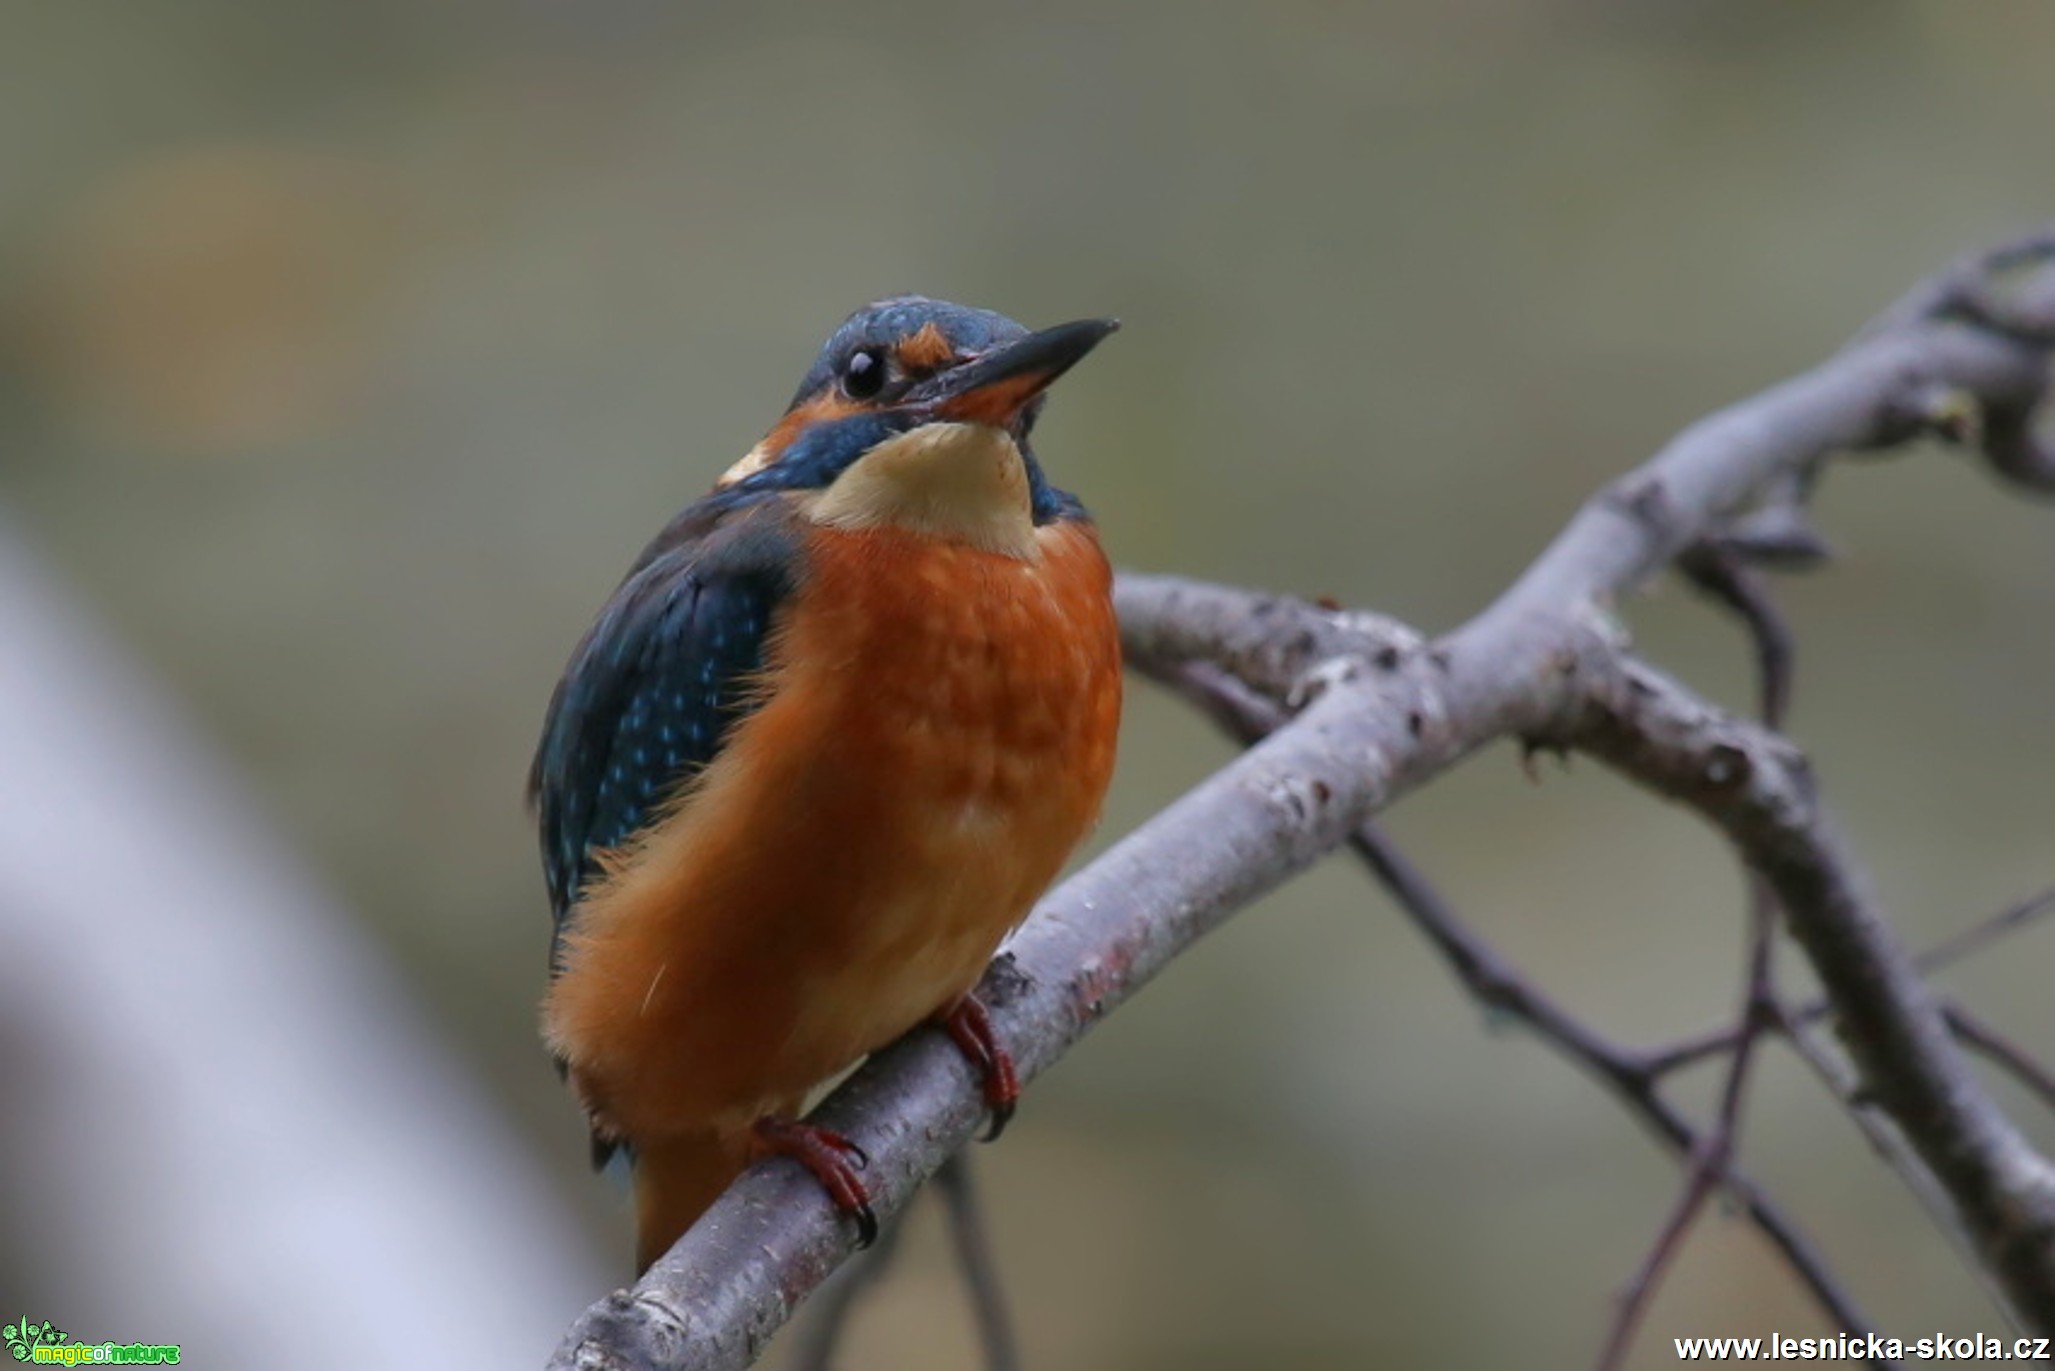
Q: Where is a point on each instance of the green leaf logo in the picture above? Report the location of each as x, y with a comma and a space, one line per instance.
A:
25, 1334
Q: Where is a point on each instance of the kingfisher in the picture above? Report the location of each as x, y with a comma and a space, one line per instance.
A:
841, 724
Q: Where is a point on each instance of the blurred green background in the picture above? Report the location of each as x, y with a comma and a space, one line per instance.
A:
349, 352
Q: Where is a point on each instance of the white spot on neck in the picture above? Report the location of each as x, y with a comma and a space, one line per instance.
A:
963, 482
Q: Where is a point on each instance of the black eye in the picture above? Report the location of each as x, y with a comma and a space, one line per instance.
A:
864, 376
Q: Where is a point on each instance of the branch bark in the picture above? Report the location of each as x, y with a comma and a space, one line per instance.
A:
1633, 1078
1380, 711
1758, 789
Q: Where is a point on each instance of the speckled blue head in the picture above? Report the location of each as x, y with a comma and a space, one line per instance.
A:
887, 326
900, 363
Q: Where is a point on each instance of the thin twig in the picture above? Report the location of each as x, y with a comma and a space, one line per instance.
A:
974, 1259
1713, 1042
1381, 715
820, 1335
1499, 986
1712, 1158
1496, 984
1978, 936
1718, 571
1889, 1143
1753, 785
1989, 1043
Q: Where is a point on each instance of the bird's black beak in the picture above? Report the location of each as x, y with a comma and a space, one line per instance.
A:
998, 386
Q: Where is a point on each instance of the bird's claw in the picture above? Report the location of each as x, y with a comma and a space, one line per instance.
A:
832, 1159
969, 1025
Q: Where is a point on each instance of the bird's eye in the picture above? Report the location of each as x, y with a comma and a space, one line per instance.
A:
864, 376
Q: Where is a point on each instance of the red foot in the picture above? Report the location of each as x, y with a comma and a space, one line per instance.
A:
829, 1156
970, 1028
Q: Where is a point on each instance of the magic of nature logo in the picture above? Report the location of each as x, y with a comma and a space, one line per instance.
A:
48, 1345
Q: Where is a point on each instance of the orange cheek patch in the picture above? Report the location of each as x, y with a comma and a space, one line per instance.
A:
925, 351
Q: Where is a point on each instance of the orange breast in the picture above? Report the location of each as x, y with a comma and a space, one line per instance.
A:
937, 736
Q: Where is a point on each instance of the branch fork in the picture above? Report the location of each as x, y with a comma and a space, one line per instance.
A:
1348, 711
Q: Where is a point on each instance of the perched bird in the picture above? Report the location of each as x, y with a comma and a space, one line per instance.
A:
840, 726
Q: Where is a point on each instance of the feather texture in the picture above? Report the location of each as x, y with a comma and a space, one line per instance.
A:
654, 688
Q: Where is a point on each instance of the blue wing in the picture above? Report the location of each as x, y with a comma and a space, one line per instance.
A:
656, 686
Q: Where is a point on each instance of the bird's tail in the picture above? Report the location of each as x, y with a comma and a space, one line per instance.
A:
676, 1179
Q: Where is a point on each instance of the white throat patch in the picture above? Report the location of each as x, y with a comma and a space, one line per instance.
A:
964, 482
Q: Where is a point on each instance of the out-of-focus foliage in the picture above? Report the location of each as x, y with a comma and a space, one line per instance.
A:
348, 353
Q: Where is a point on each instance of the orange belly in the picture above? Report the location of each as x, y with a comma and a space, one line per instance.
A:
937, 735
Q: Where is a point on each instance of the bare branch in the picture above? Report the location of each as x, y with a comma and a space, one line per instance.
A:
1712, 1042
821, 1332
972, 1241
1502, 988
1379, 713
1978, 936
1713, 1157
1972, 1032
1757, 788
1844, 1084
827, 1322
1716, 567
1717, 570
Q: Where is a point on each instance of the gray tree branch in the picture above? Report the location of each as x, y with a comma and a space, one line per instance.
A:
1633, 1078
1758, 789
1380, 711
